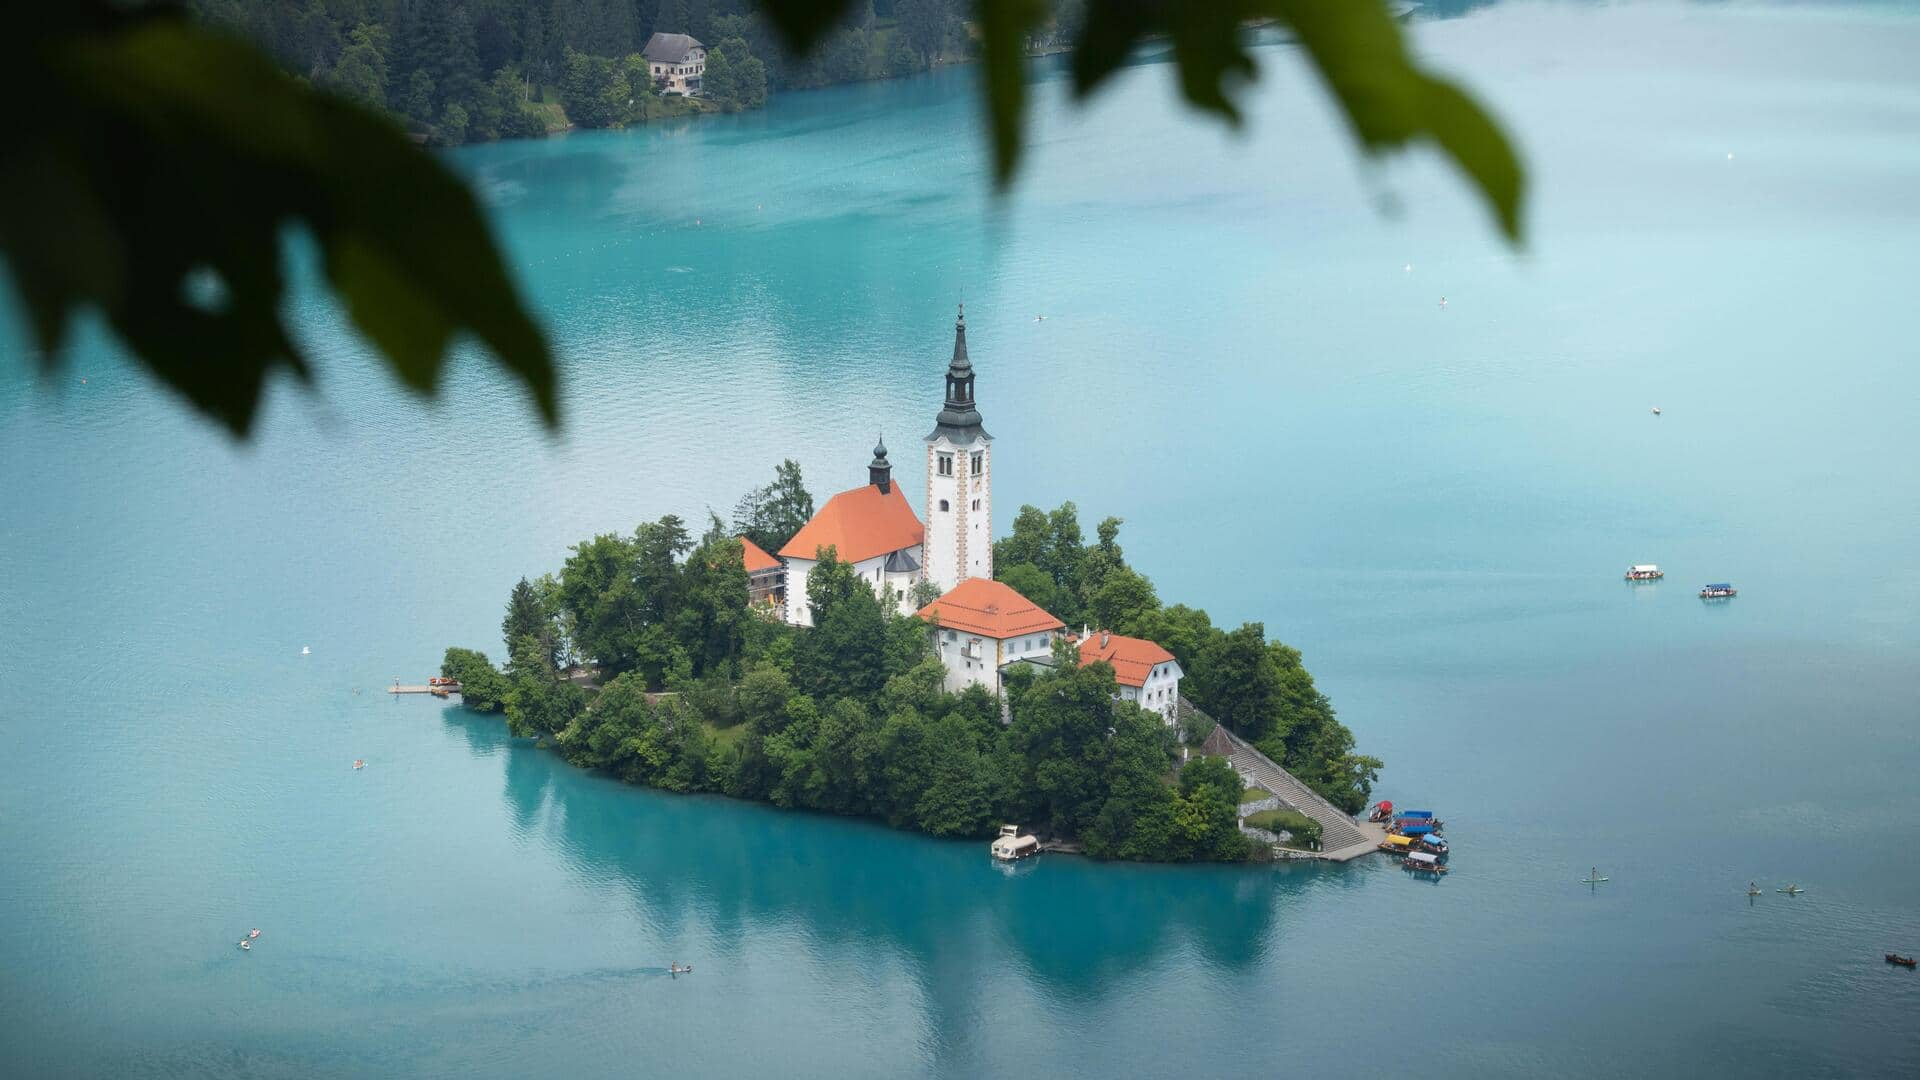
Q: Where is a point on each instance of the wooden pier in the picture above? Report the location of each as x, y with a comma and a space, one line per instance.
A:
399, 688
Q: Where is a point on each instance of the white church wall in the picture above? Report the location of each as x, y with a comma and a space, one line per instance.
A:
872, 571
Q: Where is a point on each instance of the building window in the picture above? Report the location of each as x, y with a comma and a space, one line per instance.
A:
943, 506
977, 464
945, 464
976, 504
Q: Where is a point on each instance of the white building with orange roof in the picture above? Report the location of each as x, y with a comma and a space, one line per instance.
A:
1148, 675
981, 625
766, 575
872, 528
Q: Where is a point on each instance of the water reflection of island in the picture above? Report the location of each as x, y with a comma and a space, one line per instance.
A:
860, 889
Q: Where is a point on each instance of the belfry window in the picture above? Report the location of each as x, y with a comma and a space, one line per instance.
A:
945, 464
976, 464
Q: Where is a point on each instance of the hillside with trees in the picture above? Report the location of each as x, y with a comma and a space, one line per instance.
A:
459, 71
699, 691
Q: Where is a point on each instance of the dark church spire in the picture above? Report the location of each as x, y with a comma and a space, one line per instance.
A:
879, 473
960, 419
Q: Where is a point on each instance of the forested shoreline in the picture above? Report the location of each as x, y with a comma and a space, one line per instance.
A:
699, 691
462, 71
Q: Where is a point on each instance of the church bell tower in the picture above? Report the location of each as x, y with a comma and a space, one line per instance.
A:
959, 540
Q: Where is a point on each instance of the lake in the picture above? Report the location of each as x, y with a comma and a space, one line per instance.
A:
1246, 357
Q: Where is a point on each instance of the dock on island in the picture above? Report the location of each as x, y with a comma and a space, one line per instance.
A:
439, 689
1342, 839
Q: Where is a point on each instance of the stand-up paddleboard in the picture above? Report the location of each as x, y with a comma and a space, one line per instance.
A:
1791, 890
1593, 877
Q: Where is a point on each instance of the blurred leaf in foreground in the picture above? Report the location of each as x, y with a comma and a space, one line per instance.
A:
155, 178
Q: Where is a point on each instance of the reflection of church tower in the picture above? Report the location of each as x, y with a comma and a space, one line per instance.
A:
959, 509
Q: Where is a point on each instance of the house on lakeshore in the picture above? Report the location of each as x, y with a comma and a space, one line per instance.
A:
677, 63
1148, 675
981, 625
870, 528
766, 576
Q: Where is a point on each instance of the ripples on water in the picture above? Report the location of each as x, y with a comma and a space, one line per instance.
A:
1433, 504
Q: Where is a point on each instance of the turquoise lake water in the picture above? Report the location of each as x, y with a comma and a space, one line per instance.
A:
1435, 505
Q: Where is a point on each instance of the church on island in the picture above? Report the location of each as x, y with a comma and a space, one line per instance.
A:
980, 625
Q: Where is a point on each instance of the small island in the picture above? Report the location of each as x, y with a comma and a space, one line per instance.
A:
857, 660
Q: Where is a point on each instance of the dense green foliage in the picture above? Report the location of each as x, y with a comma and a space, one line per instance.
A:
482, 687
1258, 688
850, 716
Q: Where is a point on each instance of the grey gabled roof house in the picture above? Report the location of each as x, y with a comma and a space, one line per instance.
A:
670, 48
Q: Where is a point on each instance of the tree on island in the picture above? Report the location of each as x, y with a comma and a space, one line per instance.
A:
846, 654
528, 617
482, 687
770, 516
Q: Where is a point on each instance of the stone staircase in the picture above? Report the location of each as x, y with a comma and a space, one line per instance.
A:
1341, 837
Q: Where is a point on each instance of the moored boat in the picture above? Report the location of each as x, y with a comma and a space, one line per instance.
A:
1415, 817
1398, 845
1421, 862
1718, 591
1011, 846
1645, 572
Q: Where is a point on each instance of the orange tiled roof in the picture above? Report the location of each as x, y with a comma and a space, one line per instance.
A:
858, 524
1132, 658
990, 609
756, 557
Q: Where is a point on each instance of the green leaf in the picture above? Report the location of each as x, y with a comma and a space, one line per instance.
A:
1004, 25
157, 182
802, 23
1475, 143
1389, 102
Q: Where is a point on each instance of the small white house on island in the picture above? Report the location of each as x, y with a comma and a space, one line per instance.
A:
1148, 675
870, 528
766, 576
677, 63
981, 625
